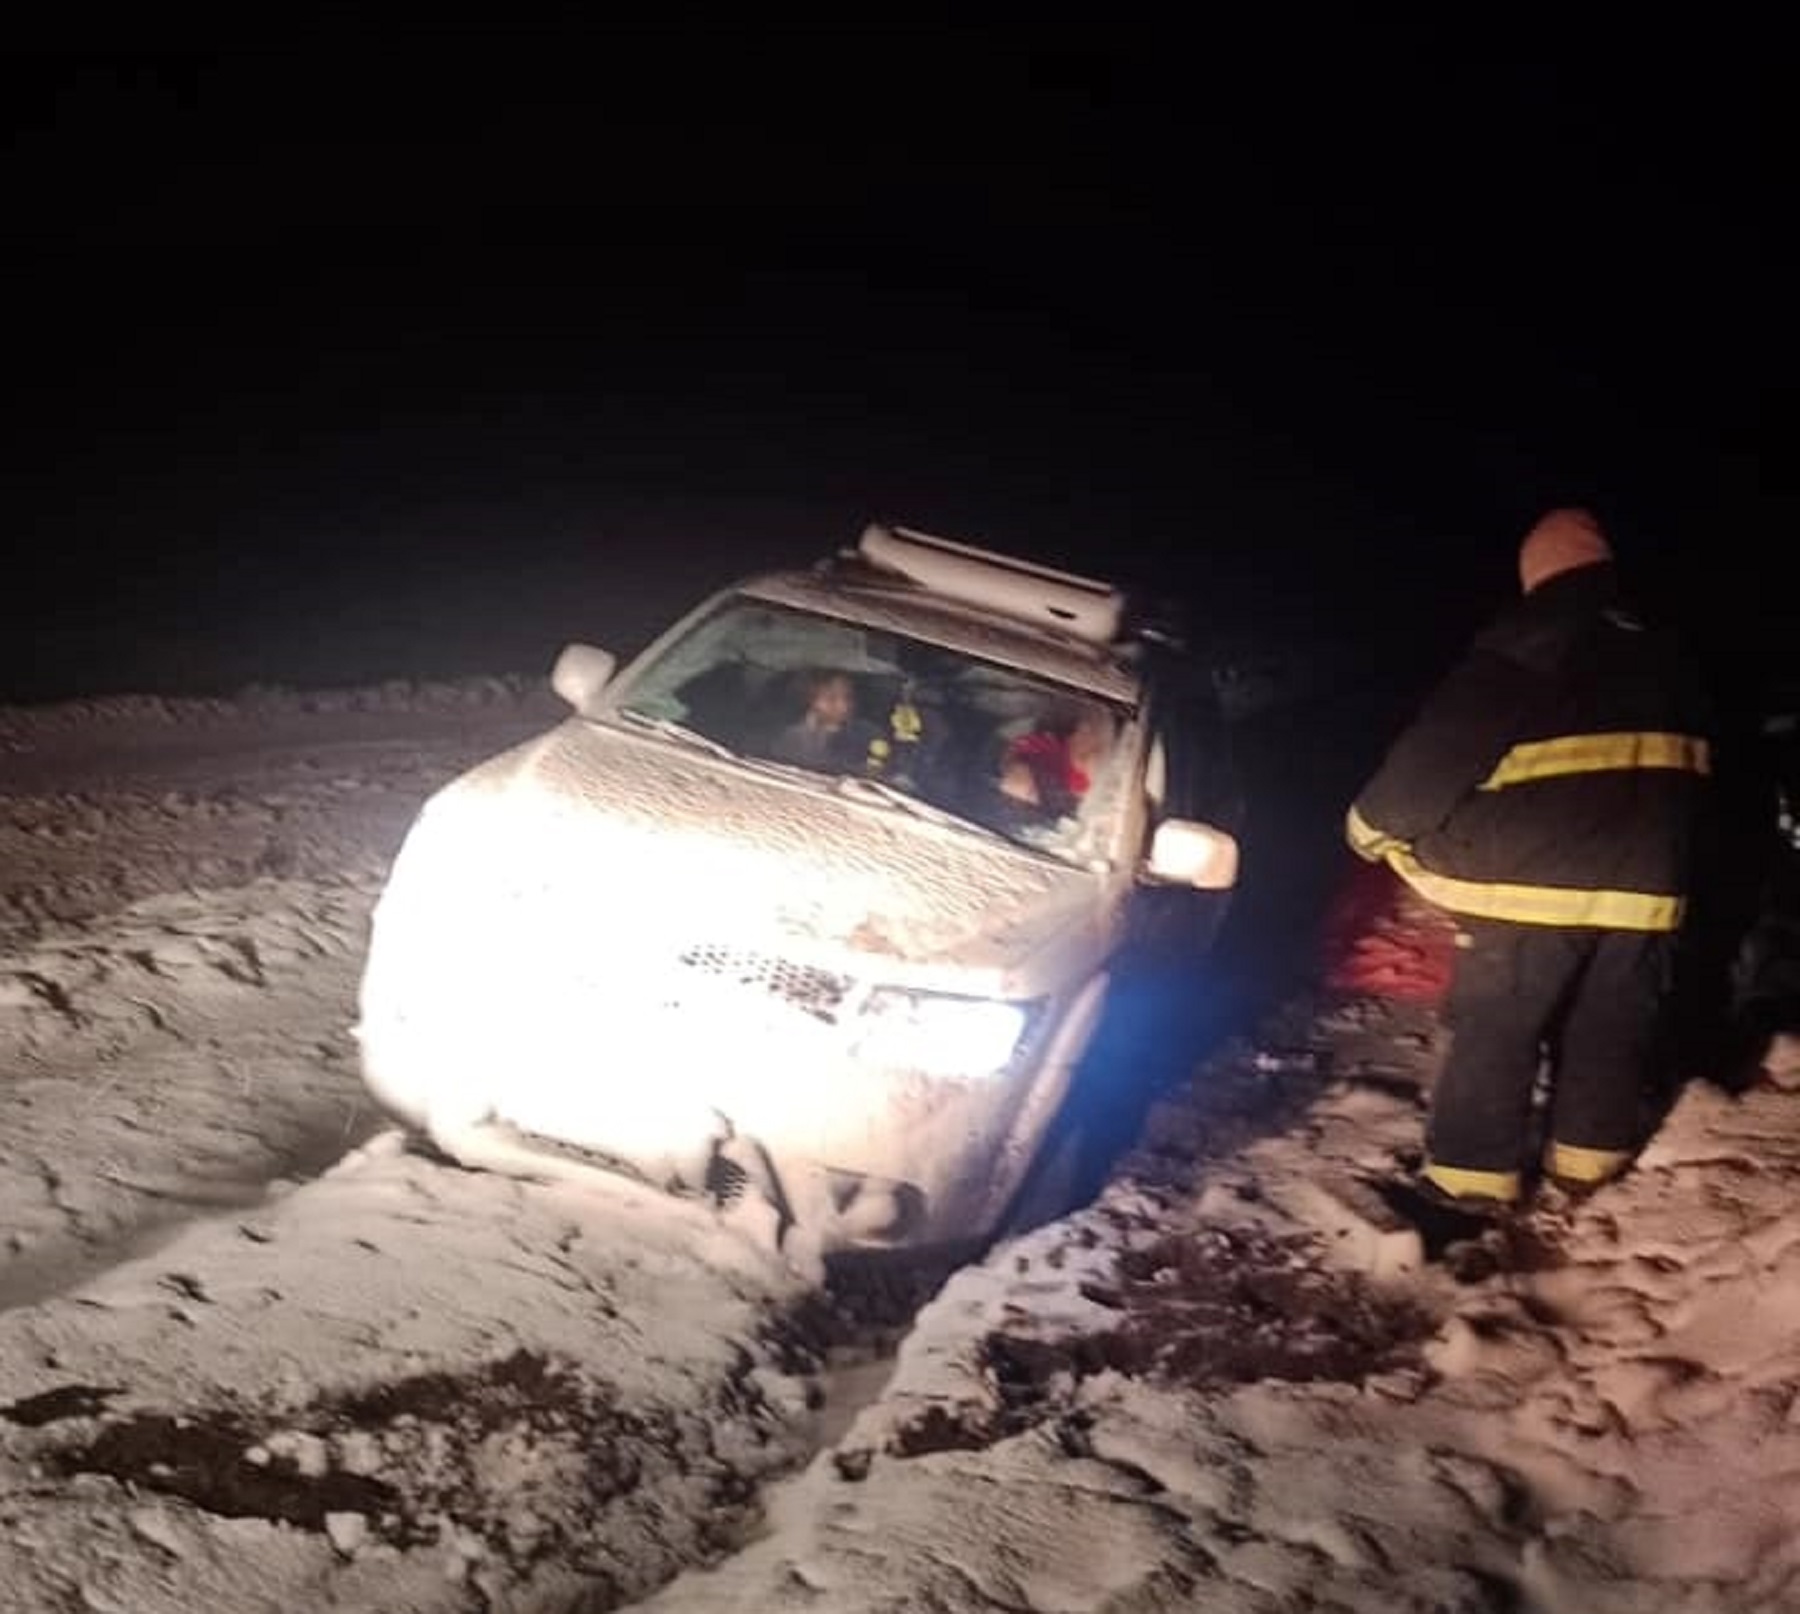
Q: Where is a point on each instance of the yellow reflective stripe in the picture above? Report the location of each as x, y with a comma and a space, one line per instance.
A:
1599, 753
1541, 904
1365, 839
1585, 1165
1462, 1183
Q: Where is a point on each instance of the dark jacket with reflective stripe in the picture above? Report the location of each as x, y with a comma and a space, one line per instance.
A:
1554, 776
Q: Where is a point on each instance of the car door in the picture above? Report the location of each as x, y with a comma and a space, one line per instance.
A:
1189, 774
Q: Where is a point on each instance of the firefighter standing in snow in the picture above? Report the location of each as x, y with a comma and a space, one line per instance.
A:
1544, 797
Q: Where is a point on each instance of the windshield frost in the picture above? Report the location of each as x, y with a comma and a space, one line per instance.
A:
1033, 761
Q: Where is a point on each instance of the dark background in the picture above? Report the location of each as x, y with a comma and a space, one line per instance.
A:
419, 355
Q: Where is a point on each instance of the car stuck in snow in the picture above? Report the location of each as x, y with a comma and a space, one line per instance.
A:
823, 894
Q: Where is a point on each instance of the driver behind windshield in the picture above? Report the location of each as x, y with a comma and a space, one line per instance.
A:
827, 735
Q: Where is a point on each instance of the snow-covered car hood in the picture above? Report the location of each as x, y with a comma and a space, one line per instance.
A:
659, 838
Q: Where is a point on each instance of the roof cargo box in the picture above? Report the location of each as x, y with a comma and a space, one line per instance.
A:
1080, 607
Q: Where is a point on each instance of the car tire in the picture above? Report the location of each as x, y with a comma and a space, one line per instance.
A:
1052, 1185
1152, 1026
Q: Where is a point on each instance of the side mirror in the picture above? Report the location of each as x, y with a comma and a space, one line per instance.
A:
1183, 852
581, 672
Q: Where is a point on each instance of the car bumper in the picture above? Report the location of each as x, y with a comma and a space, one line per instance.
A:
873, 1156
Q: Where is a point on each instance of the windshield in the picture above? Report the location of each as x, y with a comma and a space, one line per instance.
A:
1034, 761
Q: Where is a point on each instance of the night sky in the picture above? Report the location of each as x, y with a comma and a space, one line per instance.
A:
419, 357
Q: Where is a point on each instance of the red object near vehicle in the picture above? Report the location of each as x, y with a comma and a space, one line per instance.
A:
1382, 940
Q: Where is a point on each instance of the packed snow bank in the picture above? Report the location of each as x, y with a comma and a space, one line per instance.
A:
400, 1387
22, 727
170, 1059
105, 803
1254, 1377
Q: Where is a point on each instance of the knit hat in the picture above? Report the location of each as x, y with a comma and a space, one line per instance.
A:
1561, 541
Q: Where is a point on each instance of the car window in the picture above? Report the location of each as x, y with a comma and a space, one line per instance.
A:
1191, 750
1013, 754
1156, 776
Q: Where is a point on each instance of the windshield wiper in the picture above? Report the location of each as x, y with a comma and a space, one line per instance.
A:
860, 785
668, 729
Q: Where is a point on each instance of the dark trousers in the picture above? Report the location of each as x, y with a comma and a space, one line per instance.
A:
1591, 1000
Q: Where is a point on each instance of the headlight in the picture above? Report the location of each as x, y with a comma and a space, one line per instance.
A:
945, 1036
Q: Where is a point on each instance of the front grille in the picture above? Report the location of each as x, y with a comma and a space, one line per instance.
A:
726, 1180
814, 991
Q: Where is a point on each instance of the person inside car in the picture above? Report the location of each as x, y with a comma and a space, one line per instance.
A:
827, 735
1050, 769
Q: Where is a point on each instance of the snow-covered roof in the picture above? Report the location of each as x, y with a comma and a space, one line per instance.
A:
903, 607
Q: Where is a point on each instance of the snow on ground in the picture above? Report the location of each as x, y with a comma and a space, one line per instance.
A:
184, 893
398, 1387
257, 1355
246, 1364
103, 802
1249, 1379
178, 1055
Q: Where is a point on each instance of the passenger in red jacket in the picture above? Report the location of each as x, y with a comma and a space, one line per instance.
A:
1052, 767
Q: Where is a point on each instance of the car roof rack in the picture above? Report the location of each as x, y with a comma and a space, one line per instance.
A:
1083, 608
